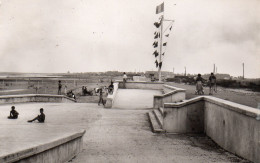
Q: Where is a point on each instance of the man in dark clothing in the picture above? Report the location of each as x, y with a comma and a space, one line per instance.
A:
101, 100
13, 113
212, 83
111, 88
59, 88
40, 118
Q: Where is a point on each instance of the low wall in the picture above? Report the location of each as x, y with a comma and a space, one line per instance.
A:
234, 127
141, 85
61, 150
171, 94
110, 98
10, 99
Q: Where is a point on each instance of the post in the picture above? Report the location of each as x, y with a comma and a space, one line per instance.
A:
185, 71
160, 55
243, 71
214, 68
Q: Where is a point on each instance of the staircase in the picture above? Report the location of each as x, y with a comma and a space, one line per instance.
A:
156, 120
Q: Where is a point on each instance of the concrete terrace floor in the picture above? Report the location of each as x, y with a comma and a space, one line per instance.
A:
112, 135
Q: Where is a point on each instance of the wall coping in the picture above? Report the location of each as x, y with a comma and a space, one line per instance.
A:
143, 82
242, 109
174, 90
35, 95
39, 148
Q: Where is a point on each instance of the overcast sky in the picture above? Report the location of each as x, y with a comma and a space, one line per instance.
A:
104, 35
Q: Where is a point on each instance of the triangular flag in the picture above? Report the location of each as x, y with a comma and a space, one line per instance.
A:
155, 53
170, 28
162, 53
157, 25
167, 35
155, 45
160, 65
164, 44
155, 33
156, 62
159, 35
156, 36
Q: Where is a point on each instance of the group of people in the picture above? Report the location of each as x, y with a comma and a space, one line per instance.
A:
14, 115
212, 84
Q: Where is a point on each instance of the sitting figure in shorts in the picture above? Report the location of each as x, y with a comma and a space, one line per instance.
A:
13, 113
40, 117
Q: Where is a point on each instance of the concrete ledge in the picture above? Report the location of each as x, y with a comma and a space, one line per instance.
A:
9, 99
60, 150
141, 85
111, 97
246, 110
171, 94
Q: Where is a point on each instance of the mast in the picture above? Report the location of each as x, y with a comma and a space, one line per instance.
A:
160, 55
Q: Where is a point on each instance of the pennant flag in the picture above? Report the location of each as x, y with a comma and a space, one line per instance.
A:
157, 25
167, 35
159, 35
160, 65
156, 36
155, 33
162, 53
164, 44
155, 53
171, 28
155, 45
160, 8
156, 62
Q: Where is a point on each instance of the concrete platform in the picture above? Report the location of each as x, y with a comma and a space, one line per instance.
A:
112, 135
135, 98
62, 120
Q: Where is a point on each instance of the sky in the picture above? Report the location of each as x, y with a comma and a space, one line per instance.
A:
56, 36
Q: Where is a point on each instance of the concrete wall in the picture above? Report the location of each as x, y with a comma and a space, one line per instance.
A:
111, 97
234, 127
10, 99
186, 119
171, 94
142, 85
61, 150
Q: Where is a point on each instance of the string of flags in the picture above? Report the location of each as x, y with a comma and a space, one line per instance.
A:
157, 35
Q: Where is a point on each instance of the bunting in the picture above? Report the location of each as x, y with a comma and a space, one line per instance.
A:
164, 44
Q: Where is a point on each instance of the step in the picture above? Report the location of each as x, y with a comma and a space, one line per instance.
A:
158, 116
154, 123
161, 110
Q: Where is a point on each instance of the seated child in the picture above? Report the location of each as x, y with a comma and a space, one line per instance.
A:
40, 117
13, 113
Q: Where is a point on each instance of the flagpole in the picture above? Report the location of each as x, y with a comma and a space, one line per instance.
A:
160, 55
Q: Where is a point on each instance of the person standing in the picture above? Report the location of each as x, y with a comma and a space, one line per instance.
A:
124, 80
101, 100
212, 84
65, 90
199, 87
59, 88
